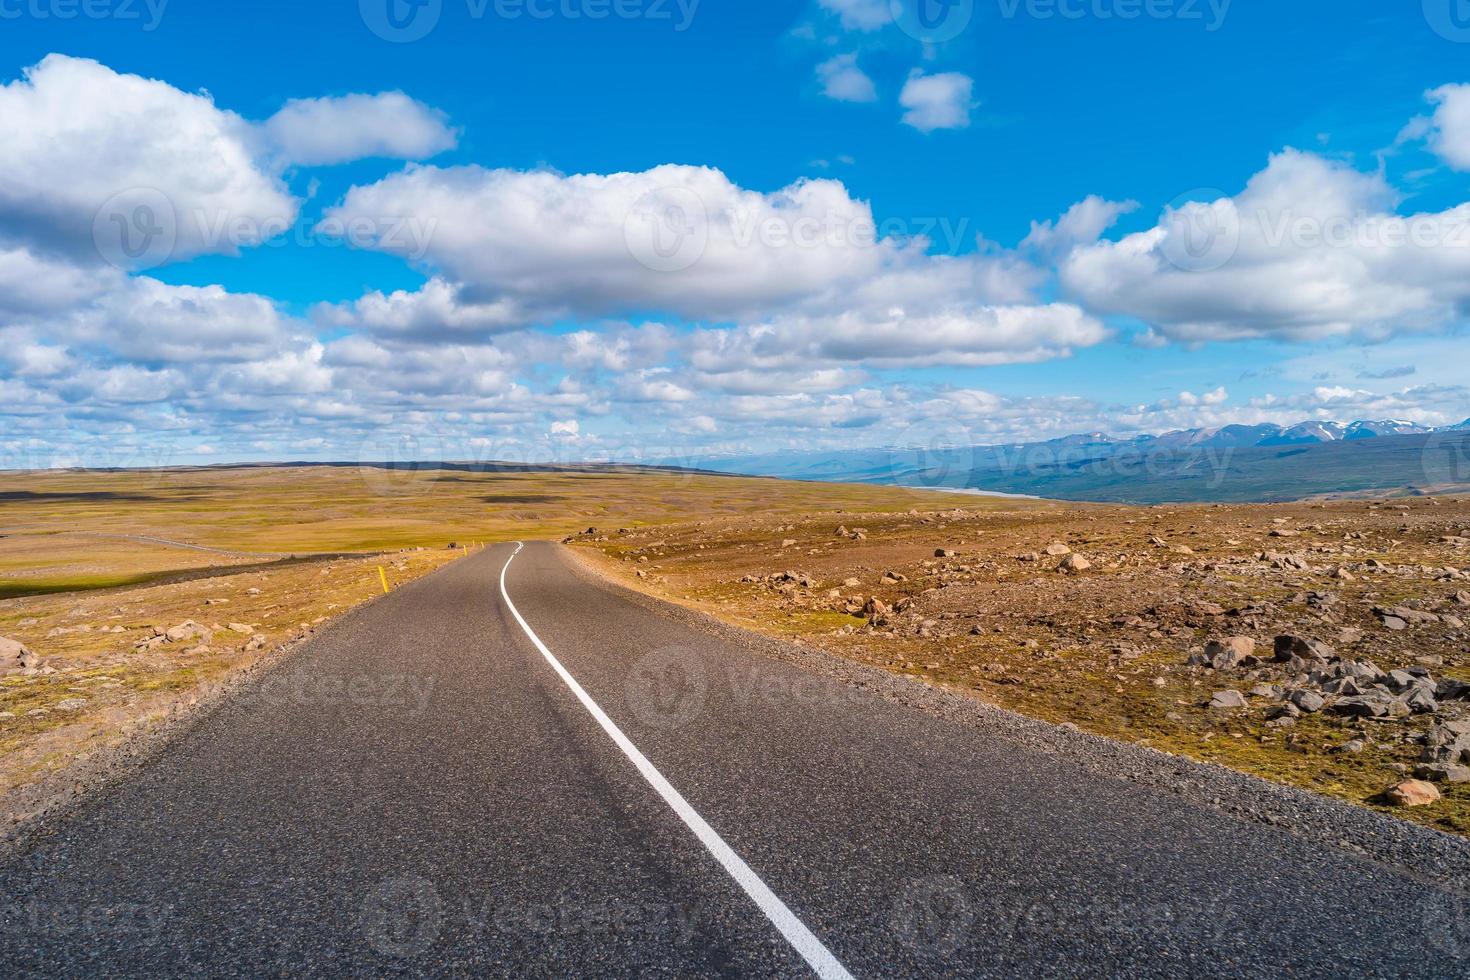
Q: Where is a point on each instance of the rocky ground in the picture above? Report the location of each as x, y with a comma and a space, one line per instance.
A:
1321, 644
81, 673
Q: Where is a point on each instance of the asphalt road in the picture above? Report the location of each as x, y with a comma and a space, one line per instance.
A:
419, 790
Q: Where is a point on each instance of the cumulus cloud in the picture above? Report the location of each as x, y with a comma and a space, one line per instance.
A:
1082, 224
1310, 249
860, 15
844, 81
81, 144
323, 131
1449, 127
32, 284
685, 240
974, 335
801, 272
103, 166
939, 101
436, 309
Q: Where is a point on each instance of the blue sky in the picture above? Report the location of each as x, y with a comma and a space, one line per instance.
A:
510, 326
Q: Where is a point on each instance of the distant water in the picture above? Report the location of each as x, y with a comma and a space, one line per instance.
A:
977, 493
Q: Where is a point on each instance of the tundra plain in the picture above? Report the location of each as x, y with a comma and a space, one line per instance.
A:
1320, 644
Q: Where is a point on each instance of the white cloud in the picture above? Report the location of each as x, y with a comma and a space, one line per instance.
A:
682, 239
152, 321
1310, 249
436, 309
844, 81
81, 144
965, 335
1448, 129
350, 127
1082, 224
860, 15
939, 101
32, 284
567, 427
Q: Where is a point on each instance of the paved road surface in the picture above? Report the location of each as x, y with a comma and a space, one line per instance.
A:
420, 791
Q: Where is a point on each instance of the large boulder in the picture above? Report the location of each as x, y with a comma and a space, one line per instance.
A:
1413, 792
1372, 705
187, 630
1309, 702
1232, 651
1288, 647
1227, 700
1073, 564
15, 655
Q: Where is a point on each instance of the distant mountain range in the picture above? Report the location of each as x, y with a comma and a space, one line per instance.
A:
1229, 463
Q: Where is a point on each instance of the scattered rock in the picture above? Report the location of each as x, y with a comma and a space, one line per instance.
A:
1056, 549
15, 655
943, 553
1227, 700
1443, 773
877, 611
1412, 792
1074, 563
1374, 705
1309, 702
1229, 652
187, 630
1289, 646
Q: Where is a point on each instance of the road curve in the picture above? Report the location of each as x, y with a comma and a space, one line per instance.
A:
436, 785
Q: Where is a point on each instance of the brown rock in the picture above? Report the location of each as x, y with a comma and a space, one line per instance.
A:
1229, 652
1072, 564
1413, 792
15, 655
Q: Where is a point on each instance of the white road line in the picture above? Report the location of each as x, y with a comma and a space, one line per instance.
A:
798, 935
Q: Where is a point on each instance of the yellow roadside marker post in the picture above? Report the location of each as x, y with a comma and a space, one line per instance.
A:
384, 577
